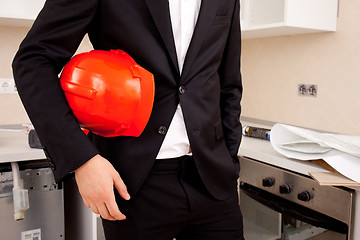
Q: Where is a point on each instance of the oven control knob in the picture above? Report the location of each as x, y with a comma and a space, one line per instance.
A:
304, 196
268, 182
285, 188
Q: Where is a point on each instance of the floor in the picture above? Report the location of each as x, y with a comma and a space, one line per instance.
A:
328, 235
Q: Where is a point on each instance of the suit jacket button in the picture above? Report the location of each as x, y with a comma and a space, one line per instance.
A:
181, 89
162, 130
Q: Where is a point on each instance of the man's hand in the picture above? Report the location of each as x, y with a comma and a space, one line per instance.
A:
96, 180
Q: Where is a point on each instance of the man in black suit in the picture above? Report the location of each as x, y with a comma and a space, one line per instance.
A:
182, 172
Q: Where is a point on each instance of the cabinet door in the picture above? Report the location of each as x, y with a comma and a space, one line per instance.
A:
266, 18
265, 12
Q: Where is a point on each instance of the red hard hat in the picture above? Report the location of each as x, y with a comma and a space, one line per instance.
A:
108, 92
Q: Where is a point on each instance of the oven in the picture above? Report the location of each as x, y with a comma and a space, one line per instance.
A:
281, 204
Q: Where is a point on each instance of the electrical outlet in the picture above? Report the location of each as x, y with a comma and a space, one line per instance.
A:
307, 89
302, 89
7, 86
312, 90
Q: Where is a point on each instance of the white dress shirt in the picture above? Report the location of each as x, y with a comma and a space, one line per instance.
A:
184, 14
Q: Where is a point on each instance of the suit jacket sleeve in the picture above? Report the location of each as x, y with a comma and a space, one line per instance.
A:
231, 86
52, 40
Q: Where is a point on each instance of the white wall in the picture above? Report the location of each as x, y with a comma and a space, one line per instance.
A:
273, 67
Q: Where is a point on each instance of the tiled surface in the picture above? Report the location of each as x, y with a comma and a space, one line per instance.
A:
273, 67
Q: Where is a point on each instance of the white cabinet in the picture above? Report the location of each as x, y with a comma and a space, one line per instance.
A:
266, 18
19, 12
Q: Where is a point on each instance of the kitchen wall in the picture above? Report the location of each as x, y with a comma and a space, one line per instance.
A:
272, 68
11, 109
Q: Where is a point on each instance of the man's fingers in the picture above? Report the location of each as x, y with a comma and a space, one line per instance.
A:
94, 208
107, 210
114, 211
96, 180
104, 213
121, 187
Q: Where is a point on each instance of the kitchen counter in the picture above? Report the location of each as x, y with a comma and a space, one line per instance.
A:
262, 150
14, 147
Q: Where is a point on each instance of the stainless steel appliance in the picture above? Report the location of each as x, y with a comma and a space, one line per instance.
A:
45, 217
300, 207
80, 222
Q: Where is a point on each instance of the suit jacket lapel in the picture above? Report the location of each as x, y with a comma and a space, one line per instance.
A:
206, 15
159, 10
160, 13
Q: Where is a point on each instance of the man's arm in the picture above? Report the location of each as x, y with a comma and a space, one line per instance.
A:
50, 43
231, 85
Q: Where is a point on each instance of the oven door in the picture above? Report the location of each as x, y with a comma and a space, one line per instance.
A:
279, 204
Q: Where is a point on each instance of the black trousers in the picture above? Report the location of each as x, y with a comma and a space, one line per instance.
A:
173, 203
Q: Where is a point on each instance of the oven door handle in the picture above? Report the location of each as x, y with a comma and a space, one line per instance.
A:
294, 210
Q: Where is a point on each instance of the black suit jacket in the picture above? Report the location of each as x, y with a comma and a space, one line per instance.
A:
210, 84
